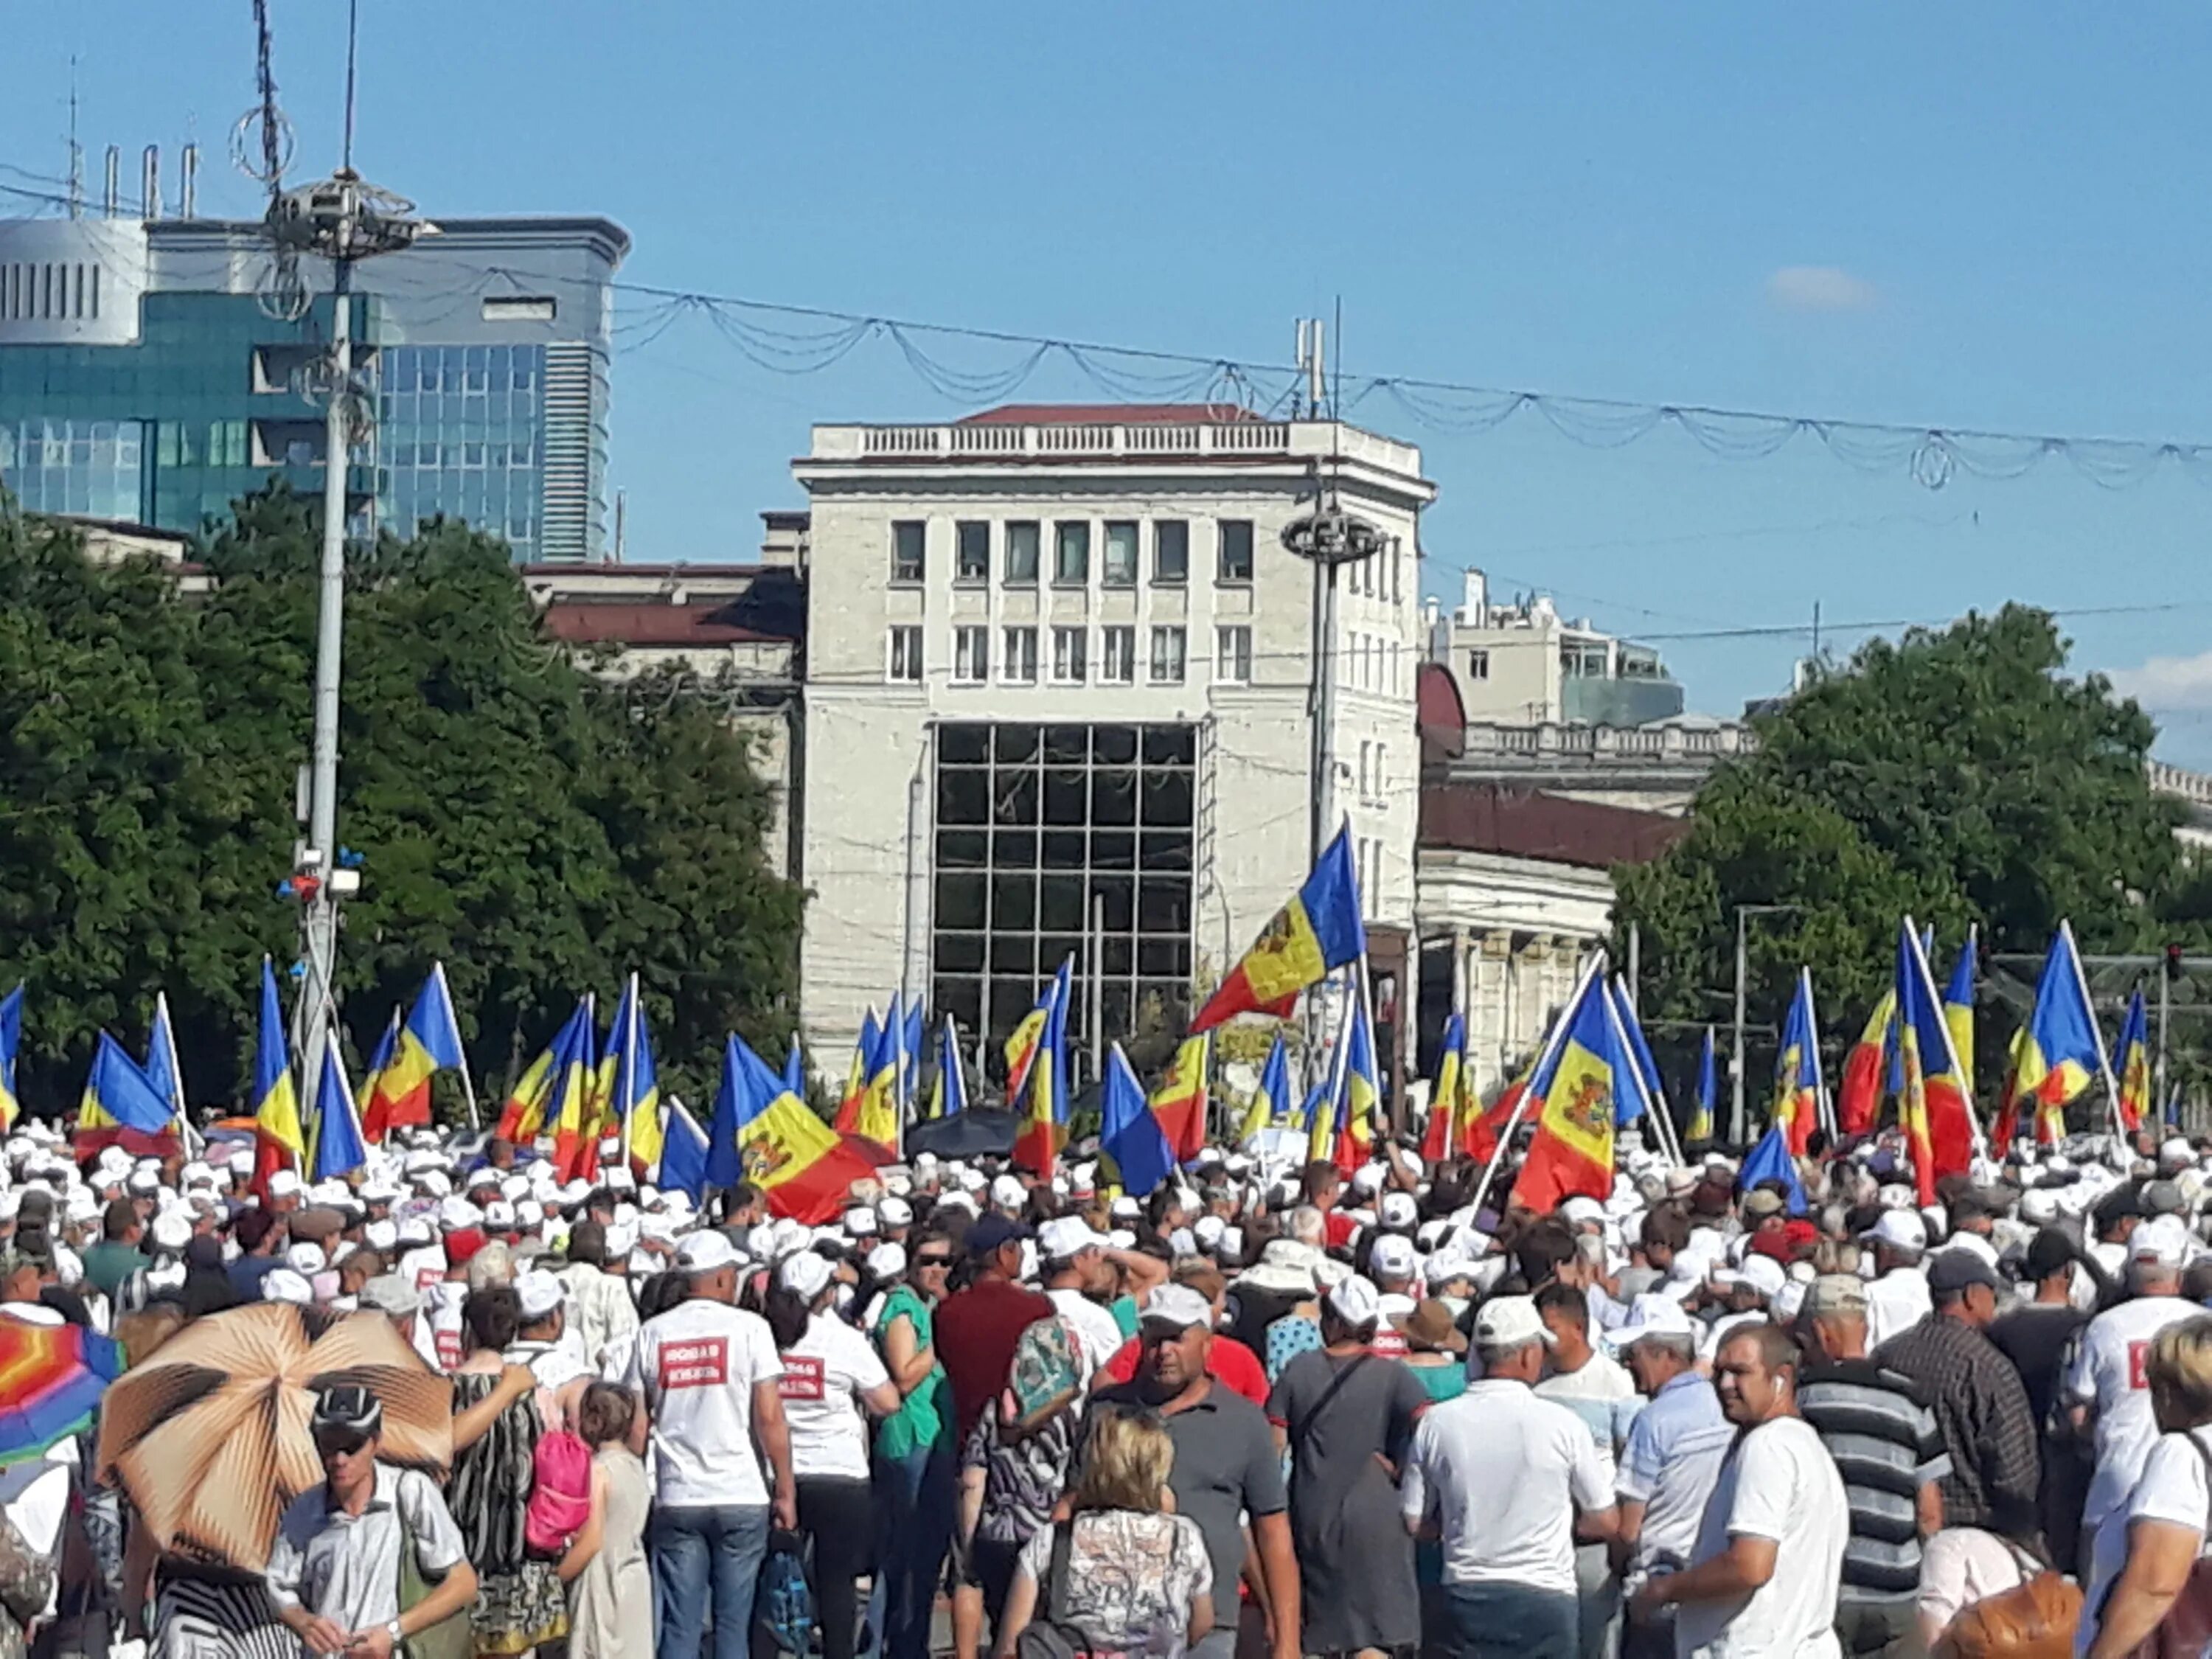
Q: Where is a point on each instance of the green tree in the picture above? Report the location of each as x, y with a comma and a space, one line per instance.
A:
1959, 775
540, 831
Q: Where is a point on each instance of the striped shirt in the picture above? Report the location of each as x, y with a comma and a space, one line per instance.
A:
1877, 1424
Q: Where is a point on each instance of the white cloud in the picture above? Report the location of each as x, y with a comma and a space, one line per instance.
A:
2168, 682
1819, 288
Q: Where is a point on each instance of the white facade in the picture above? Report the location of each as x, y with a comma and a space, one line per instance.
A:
921, 630
1524, 664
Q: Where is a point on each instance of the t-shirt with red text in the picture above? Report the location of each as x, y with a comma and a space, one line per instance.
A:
823, 1373
696, 1365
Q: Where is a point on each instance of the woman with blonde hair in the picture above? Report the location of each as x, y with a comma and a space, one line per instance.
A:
2145, 1554
1123, 1569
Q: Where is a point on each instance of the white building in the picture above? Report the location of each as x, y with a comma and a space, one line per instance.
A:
1523, 663
1058, 686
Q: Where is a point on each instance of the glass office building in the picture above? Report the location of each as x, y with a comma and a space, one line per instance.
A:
141, 380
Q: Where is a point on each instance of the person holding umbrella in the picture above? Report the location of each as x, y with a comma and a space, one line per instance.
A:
334, 1572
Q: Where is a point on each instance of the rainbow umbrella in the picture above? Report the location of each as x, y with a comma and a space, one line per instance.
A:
51, 1377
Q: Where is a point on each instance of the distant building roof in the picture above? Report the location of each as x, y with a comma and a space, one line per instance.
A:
673, 626
1485, 819
1107, 415
558, 569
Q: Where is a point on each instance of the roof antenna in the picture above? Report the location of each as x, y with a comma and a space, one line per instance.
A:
353, 42
75, 151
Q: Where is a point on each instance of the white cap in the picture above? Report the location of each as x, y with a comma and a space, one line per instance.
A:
621, 1236
2039, 1207
1509, 1321
1651, 1315
1397, 1210
306, 1259
1008, 1192
1392, 1257
1356, 1302
2161, 1242
895, 1213
1900, 1229
538, 1292
860, 1222
172, 1230
705, 1251
1177, 1305
282, 1285
381, 1235
1065, 1236
805, 1274
887, 1260
285, 1184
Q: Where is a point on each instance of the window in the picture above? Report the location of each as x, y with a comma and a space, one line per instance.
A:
1235, 550
1397, 570
1022, 554
1366, 767
907, 542
1232, 654
1171, 552
1117, 656
1121, 556
1071, 556
972, 559
905, 654
1070, 652
1017, 653
518, 308
971, 655
1477, 665
1167, 656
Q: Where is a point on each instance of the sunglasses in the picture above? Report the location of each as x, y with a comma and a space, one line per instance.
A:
339, 1443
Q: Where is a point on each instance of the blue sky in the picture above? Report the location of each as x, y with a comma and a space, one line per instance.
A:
1976, 215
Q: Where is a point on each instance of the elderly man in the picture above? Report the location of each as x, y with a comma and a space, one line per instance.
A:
1877, 1425
1898, 1297
1500, 1476
1670, 1460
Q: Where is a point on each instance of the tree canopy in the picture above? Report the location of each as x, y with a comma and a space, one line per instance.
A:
540, 831
1960, 775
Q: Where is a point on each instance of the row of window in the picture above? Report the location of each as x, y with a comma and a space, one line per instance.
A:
470, 456
1071, 661
468, 371
1375, 663
49, 292
1021, 541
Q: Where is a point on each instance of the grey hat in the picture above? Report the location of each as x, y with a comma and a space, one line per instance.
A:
392, 1293
1835, 1293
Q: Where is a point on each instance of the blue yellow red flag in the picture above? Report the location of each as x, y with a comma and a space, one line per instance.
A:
1042, 1102
118, 1089
337, 1150
1587, 1083
635, 1098
1797, 1103
2131, 1070
877, 1116
524, 1115
279, 1140
1271, 1101
1709, 1089
1445, 1089
1647, 1063
948, 1091
429, 1042
863, 1067
1320, 929
2061, 1052
1936, 1106
1958, 1001
11, 1045
1358, 1100
1858, 1096
1179, 1102
1129, 1132
572, 1105
803, 1170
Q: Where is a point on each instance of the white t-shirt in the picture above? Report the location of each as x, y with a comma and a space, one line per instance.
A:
696, 1365
1896, 1301
1504, 1473
822, 1372
2107, 1373
438, 1334
1778, 1483
1094, 1329
2172, 1487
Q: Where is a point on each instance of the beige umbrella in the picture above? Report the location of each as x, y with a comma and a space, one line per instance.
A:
210, 1437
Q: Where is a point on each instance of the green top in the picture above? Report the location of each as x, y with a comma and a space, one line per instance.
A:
924, 1419
1442, 1382
1124, 1310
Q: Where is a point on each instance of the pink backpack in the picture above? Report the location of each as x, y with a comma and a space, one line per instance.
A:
560, 1494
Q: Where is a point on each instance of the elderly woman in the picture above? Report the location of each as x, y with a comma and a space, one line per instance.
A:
1132, 1578
2147, 1548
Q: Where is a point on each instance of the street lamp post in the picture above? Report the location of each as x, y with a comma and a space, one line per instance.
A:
1743, 915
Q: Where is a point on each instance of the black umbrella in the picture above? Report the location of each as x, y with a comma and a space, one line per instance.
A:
975, 1133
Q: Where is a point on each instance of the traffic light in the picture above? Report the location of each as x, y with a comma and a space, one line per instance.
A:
2173, 963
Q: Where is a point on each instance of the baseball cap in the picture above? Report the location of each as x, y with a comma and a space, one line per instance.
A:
1397, 1210
706, 1251
1900, 1229
1356, 1302
805, 1275
1836, 1293
2047, 1252
538, 1292
1953, 1271
1393, 1256
2162, 1242
1067, 1236
1763, 1202
392, 1293
991, 1232
1178, 1306
1509, 1321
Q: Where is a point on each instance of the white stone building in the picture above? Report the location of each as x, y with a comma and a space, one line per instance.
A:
1059, 677
1523, 663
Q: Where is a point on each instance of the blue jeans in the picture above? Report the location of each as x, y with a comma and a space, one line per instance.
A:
914, 1503
1507, 1621
705, 1557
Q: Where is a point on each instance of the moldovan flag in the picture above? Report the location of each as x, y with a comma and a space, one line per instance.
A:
1318, 930
1129, 1135
1179, 1104
635, 1096
948, 1093
2133, 1072
1445, 1104
1587, 1083
1480, 1141
1934, 1104
337, 1150
118, 1097
1958, 1003
1859, 1097
1362, 1092
1797, 1070
278, 1142
795, 1158
1271, 1101
1709, 1091
875, 1114
429, 1042
863, 1067
2060, 1051
1044, 1084
522, 1119
11, 1044
572, 1099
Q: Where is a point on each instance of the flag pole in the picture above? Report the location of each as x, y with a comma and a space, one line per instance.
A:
1552, 1041
1824, 1107
468, 1085
195, 1143
630, 1070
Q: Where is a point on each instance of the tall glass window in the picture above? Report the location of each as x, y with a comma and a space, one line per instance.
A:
463, 437
95, 468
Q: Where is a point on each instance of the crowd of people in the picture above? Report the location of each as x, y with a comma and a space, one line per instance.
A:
1265, 1410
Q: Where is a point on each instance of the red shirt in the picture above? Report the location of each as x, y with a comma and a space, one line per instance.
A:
1228, 1361
1341, 1225
974, 1332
